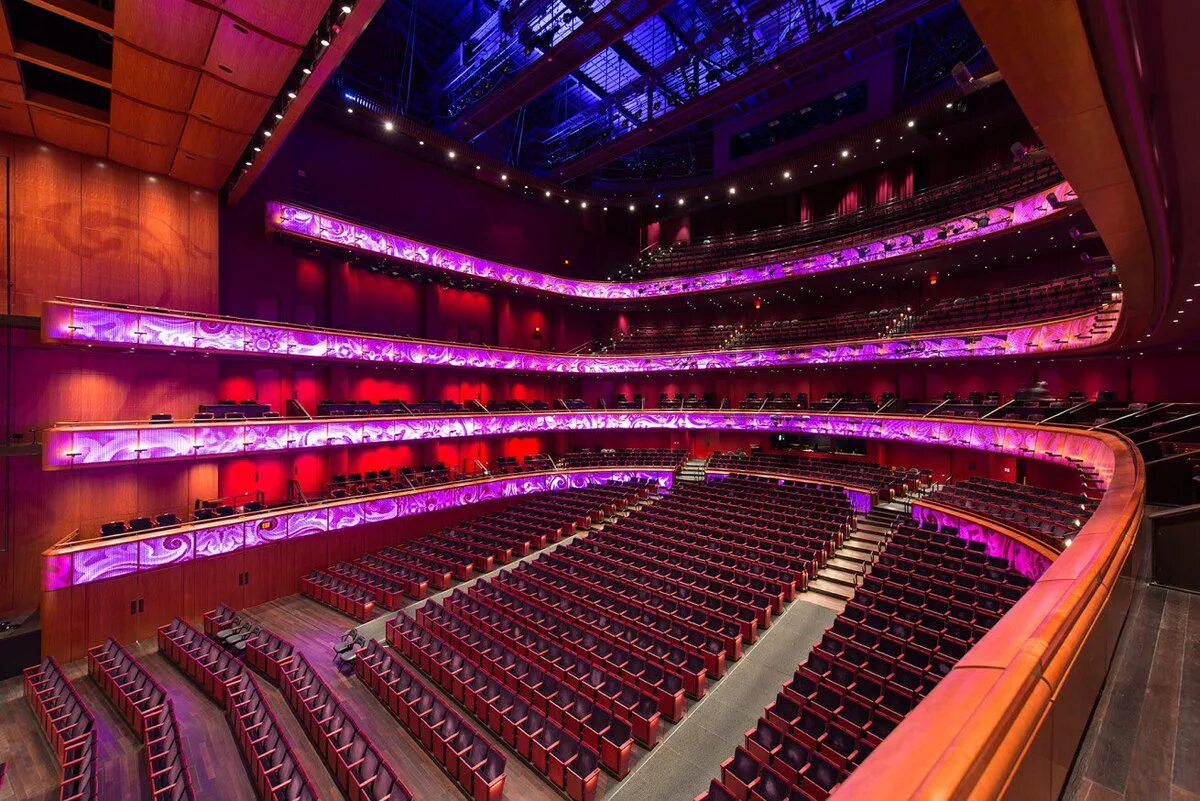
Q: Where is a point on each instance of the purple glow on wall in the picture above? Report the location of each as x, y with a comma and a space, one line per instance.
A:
1020, 557
860, 502
66, 446
83, 563
90, 323
320, 227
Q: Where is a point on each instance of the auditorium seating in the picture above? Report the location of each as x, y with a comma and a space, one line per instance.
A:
258, 647
453, 744
884, 482
353, 760
137, 696
166, 764
340, 593
995, 186
541, 733
68, 725
1048, 515
927, 600
626, 457
400, 573
271, 763
1068, 296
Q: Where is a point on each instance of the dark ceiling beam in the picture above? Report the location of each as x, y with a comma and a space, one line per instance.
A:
597, 32
352, 28
826, 46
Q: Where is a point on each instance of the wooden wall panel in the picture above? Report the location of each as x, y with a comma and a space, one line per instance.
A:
110, 226
45, 220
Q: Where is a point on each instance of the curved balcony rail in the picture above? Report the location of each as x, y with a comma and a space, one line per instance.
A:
793, 240
93, 323
1005, 722
356, 238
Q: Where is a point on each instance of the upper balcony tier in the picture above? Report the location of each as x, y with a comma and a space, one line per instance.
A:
889, 240
993, 187
1082, 313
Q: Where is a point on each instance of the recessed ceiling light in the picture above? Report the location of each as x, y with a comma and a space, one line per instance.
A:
845, 153
388, 125
912, 123
291, 95
266, 133
787, 174
450, 154
632, 207
503, 176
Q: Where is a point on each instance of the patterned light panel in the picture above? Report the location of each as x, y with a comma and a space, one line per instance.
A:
81, 445
320, 227
83, 563
90, 323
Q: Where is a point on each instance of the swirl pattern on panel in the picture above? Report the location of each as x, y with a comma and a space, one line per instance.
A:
67, 446
325, 228
87, 323
83, 563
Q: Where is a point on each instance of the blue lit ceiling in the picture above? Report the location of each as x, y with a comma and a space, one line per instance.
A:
616, 91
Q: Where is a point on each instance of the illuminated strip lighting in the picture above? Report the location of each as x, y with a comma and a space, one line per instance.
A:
97, 444
83, 563
317, 226
89, 323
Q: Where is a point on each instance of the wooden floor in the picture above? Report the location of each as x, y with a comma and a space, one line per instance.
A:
1143, 743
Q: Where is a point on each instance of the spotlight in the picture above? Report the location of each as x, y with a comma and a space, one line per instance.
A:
421, 142
389, 126
787, 174
583, 204
267, 133
257, 149
324, 42
912, 123
632, 207
347, 8
291, 95
307, 70
450, 154
845, 153
547, 193
878, 140
680, 201
733, 190
503, 176
278, 116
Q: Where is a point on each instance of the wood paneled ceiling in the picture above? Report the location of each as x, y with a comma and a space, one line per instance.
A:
189, 83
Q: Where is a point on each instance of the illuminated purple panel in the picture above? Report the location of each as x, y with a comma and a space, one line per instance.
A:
99, 560
307, 523
104, 562
860, 502
56, 572
265, 530
218, 440
168, 549
217, 540
271, 340
1049, 444
314, 225
1020, 557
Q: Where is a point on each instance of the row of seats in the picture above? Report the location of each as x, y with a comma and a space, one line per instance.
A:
998, 185
353, 760
136, 695
921, 607
490, 693
339, 594
1048, 515
625, 457
259, 648
884, 481
143, 704
1074, 295
407, 571
273, 767
466, 756
166, 763
68, 725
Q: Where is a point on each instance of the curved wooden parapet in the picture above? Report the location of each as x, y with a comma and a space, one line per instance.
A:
1008, 719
